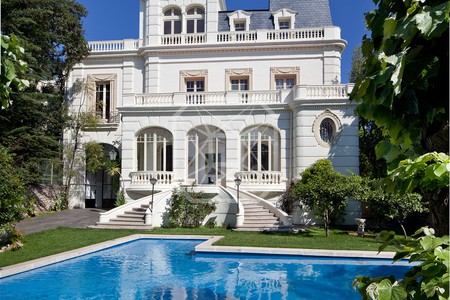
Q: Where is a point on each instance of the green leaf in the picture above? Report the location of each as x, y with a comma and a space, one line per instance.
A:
424, 22
387, 150
441, 169
389, 291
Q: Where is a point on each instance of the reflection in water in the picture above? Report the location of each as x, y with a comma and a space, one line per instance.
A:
164, 269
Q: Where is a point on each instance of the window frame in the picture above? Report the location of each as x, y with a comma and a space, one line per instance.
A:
284, 72
196, 18
239, 16
173, 19
239, 74
93, 80
334, 121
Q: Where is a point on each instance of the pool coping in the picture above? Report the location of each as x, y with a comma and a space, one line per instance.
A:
204, 247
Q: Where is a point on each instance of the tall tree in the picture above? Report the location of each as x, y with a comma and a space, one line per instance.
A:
369, 133
52, 34
12, 68
405, 92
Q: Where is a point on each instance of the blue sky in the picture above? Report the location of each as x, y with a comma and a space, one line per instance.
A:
119, 19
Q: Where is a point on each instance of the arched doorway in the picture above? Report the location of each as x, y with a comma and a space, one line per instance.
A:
100, 187
206, 155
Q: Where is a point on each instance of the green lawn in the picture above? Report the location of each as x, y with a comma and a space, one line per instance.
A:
62, 239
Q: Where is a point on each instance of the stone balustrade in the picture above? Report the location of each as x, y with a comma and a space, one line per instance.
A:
260, 177
208, 98
335, 91
300, 92
224, 37
118, 45
143, 178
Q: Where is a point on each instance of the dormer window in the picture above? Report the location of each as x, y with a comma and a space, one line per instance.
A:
172, 21
284, 19
195, 20
239, 20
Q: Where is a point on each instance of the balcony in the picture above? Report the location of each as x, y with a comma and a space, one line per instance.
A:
208, 98
142, 178
338, 92
262, 180
219, 38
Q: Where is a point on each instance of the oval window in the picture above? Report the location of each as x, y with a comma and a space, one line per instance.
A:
327, 130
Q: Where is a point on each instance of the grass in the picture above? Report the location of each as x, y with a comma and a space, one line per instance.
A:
62, 239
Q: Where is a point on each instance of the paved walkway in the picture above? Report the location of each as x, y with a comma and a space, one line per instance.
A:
74, 218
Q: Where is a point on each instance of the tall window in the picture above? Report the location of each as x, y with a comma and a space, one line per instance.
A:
260, 149
103, 100
154, 150
206, 155
195, 20
172, 21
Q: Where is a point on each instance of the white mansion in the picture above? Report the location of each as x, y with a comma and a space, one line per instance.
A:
207, 95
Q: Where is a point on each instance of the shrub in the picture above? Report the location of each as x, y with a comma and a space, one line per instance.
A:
187, 212
429, 279
61, 203
287, 201
10, 237
120, 199
13, 197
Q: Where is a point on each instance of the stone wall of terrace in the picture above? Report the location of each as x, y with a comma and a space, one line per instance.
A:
220, 38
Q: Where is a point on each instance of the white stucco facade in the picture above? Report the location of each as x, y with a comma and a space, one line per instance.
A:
207, 95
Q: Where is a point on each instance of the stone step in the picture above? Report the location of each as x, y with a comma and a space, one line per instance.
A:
253, 209
127, 220
261, 218
111, 225
256, 228
261, 222
139, 209
134, 213
131, 216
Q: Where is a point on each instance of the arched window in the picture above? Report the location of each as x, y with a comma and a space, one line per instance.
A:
154, 150
172, 21
206, 155
260, 149
195, 20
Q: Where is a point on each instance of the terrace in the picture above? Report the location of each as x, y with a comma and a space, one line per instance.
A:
219, 38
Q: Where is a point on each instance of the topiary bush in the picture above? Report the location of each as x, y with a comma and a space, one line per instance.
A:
187, 212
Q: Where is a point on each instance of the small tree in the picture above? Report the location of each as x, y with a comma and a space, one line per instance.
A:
384, 205
323, 191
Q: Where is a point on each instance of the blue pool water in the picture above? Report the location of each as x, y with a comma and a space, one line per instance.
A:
169, 269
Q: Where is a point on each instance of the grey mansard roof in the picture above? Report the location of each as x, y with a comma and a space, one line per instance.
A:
310, 13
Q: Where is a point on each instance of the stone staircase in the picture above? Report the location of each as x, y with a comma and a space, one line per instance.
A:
256, 216
130, 219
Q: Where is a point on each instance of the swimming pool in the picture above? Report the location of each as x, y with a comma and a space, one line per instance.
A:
170, 269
